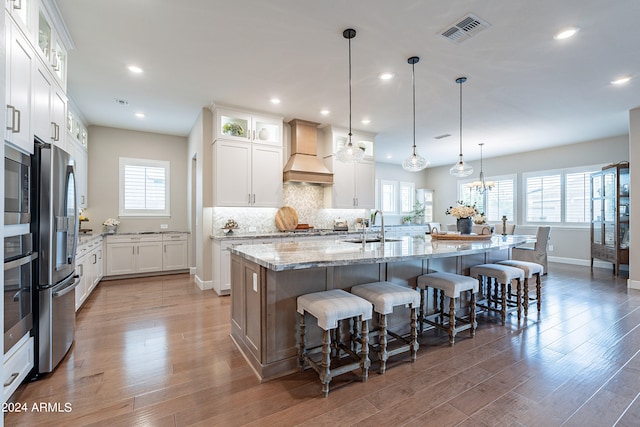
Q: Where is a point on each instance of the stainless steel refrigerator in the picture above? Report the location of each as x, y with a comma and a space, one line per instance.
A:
57, 229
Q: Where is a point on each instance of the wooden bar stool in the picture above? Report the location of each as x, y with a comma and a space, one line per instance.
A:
330, 308
449, 285
385, 296
502, 275
530, 270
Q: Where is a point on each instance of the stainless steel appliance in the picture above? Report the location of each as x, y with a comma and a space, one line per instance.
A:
18, 281
17, 187
57, 226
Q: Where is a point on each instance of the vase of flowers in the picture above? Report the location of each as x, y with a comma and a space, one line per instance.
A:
464, 216
111, 225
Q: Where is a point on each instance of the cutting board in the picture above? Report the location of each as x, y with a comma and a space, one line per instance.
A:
286, 218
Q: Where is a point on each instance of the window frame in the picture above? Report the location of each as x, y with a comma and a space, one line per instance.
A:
146, 213
394, 198
588, 169
412, 196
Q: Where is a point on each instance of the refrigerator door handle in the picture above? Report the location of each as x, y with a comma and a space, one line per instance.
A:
20, 261
67, 289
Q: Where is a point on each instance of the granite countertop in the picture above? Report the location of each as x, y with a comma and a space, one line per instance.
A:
84, 238
314, 232
308, 254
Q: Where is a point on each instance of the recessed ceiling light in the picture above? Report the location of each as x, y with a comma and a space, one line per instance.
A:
140, 115
365, 121
324, 112
620, 81
389, 156
275, 101
566, 33
134, 69
386, 75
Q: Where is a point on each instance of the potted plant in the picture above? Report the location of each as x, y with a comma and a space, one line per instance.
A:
406, 219
111, 225
232, 129
418, 212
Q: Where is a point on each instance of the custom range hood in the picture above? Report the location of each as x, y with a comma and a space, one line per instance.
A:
304, 164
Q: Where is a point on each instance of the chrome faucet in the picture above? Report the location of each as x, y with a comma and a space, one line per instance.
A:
373, 222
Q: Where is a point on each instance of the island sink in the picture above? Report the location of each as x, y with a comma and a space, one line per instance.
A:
372, 240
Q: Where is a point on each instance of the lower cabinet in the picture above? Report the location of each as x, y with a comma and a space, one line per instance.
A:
222, 264
152, 253
16, 365
89, 268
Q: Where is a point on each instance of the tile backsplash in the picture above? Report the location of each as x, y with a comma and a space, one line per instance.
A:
307, 200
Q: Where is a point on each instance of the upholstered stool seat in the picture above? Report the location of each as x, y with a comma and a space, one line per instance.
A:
329, 308
451, 286
530, 269
385, 296
503, 275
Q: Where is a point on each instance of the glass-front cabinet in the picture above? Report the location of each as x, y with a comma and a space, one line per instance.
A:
247, 127
610, 215
51, 49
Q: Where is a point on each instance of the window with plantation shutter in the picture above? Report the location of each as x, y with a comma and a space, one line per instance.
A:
494, 203
144, 187
560, 196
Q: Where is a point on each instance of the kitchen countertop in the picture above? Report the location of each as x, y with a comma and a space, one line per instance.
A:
314, 232
84, 238
309, 254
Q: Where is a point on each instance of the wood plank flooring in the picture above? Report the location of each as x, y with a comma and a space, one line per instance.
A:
157, 352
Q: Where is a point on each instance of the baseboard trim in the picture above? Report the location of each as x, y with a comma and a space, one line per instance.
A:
204, 285
192, 271
583, 262
633, 284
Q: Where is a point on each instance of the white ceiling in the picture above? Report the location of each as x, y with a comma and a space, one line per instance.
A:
525, 90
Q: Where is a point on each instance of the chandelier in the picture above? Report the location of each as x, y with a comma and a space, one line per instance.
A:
481, 185
349, 152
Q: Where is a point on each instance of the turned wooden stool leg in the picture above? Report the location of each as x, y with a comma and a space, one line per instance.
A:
302, 350
382, 354
422, 308
325, 373
472, 315
365, 363
525, 297
538, 291
414, 335
452, 321
503, 311
519, 298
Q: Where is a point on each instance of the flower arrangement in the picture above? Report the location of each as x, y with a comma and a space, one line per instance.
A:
479, 218
110, 222
462, 210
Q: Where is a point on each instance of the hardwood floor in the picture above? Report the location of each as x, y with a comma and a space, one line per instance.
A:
157, 352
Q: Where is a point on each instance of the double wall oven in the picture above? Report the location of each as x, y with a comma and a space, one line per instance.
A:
19, 255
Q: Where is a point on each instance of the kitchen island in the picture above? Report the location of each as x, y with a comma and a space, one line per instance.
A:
266, 280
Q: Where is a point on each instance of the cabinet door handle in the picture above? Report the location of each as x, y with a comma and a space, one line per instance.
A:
134, 250
82, 199
95, 258
254, 198
57, 132
81, 269
138, 250
17, 130
17, 4
13, 117
11, 379
253, 133
165, 249
249, 198
53, 131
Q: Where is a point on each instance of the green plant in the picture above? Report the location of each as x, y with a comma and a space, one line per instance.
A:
233, 129
418, 210
406, 219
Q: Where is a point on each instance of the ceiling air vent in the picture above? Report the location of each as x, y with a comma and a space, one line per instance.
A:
464, 28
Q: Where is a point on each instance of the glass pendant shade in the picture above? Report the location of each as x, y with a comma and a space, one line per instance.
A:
461, 169
481, 185
349, 152
415, 162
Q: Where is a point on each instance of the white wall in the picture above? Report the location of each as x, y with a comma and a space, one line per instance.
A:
106, 146
391, 172
569, 244
199, 148
634, 186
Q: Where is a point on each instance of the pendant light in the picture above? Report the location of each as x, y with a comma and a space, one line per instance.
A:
461, 169
481, 186
415, 162
349, 152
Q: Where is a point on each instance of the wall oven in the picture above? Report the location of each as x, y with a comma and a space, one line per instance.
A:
19, 270
17, 187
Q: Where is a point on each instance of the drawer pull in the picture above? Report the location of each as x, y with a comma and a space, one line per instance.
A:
11, 379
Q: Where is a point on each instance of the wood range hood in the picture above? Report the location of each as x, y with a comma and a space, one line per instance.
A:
304, 164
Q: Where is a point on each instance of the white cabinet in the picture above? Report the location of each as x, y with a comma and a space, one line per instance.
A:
16, 365
19, 86
89, 268
22, 13
235, 125
175, 252
353, 185
133, 254
77, 147
49, 109
247, 174
149, 253
222, 264
50, 46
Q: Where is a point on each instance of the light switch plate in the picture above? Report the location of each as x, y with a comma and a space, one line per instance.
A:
255, 282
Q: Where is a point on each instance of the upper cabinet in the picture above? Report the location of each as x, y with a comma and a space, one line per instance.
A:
353, 183
22, 13
237, 125
77, 145
51, 47
49, 107
19, 86
247, 154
